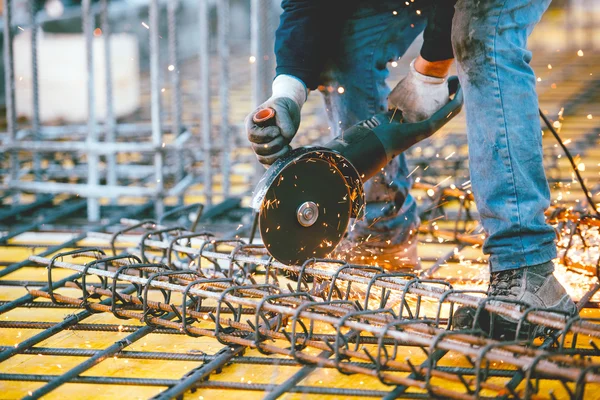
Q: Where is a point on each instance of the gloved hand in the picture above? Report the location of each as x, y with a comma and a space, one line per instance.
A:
418, 96
272, 142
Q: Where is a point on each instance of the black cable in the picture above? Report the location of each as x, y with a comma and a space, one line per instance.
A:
570, 157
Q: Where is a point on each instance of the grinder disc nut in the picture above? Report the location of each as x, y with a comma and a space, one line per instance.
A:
308, 213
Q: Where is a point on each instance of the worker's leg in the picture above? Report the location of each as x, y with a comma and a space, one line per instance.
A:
503, 126
505, 151
374, 35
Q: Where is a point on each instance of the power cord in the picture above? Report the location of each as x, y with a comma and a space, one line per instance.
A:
570, 157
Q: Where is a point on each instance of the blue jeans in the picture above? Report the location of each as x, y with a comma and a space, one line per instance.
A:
503, 127
372, 37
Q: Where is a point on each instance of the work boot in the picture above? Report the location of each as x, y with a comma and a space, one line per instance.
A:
399, 258
535, 286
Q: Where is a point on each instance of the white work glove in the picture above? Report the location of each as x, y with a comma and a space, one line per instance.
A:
272, 142
418, 96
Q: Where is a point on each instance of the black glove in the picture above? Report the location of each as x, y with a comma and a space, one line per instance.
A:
272, 139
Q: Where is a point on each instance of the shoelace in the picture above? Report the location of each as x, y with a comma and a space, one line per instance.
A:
502, 283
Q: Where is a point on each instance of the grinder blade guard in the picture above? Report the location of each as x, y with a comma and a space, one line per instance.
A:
306, 199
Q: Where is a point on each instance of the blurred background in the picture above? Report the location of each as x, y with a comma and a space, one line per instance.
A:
126, 101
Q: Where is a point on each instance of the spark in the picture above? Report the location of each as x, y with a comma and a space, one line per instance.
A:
171, 67
442, 181
252, 59
589, 116
580, 53
391, 119
341, 90
413, 171
145, 25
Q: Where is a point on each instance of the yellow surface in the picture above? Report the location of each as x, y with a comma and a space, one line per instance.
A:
122, 367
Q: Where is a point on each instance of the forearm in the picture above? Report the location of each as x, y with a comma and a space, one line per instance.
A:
436, 53
307, 32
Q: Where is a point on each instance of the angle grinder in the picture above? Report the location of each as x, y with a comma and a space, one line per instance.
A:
306, 199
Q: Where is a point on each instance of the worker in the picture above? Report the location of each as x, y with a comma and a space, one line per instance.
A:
342, 48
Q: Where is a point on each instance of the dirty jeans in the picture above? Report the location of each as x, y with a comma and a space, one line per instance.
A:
372, 37
505, 149
503, 127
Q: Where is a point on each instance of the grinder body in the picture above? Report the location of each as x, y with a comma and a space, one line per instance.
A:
306, 199
372, 144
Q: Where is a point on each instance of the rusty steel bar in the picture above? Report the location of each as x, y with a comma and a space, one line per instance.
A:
392, 365
511, 311
418, 332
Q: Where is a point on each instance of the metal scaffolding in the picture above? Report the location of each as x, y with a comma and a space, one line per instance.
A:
171, 157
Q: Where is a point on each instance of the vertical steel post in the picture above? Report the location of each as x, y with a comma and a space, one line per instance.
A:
110, 121
35, 121
205, 96
258, 25
176, 111
9, 85
223, 11
93, 205
157, 136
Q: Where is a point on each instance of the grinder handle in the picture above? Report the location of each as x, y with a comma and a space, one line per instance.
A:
397, 136
265, 117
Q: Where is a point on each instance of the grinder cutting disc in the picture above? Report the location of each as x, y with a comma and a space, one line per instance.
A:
305, 205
